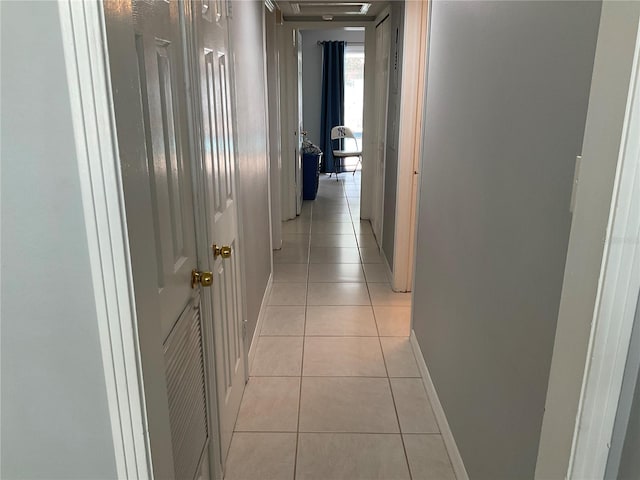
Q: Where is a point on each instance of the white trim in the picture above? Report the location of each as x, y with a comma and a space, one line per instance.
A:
438, 411
260, 321
288, 84
618, 288
87, 63
387, 268
414, 63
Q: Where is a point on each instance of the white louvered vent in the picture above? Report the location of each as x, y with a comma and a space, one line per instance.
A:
183, 355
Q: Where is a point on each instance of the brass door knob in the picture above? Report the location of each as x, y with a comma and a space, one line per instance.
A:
203, 278
224, 251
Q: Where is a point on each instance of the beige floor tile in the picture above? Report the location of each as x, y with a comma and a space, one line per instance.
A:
393, 321
337, 241
428, 458
363, 227
398, 356
347, 404
332, 218
290, 272
331, 208
296, 226
269, 404
366, 241
291, 254
381, 294
343, 356
340, 321
277, 356
371, 255
295, 240
375, 272
343, 456
413, 406
333, 200
283, 320
261, 456
334, 255
288, 294
338, 294
331, 228
336, 272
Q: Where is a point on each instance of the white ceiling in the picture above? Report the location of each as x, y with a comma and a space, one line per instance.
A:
340, 10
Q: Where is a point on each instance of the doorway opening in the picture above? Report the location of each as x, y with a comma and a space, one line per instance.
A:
354, 97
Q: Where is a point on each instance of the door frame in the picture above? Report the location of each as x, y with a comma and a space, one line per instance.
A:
616, 301
288, 104
274, 123
583, 320
413, 93
87, 66
374, 181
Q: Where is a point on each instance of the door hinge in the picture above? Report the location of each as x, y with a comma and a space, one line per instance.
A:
244, 328
576, 181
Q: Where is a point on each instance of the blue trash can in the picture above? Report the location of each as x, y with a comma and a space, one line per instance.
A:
310, 175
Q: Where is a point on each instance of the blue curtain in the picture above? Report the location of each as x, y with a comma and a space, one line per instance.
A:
332, 99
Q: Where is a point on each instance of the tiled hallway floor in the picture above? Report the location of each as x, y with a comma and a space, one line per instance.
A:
334, 389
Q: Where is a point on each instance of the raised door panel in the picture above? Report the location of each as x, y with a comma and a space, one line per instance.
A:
163, 98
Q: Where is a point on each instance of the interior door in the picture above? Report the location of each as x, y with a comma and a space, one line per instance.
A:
381, 95
299, 121
174, 300
219, 160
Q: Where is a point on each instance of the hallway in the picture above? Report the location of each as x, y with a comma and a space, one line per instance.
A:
334, 389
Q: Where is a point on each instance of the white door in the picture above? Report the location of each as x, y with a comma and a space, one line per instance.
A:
175, 324
219, 162
381, 95
299, 121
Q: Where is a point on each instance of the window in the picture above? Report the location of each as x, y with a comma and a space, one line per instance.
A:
354, 88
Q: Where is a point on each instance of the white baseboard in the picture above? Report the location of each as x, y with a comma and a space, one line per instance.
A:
263, 309
441, 418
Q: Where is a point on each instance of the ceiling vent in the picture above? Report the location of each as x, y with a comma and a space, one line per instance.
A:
333, 8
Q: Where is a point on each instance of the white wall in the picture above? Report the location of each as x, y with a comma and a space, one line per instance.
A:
312, 74
247, 32
507, 94
393, 134
55, 421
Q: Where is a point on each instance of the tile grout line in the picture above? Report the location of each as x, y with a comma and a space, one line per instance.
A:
304, 335
331, 432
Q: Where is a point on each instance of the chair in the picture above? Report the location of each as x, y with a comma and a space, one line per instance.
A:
342, 133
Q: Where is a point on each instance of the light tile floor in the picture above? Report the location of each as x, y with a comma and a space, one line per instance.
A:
334, 390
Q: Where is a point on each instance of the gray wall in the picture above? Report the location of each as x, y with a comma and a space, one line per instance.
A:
247, 31
312, 74
393, 135
55, 420
507, 93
